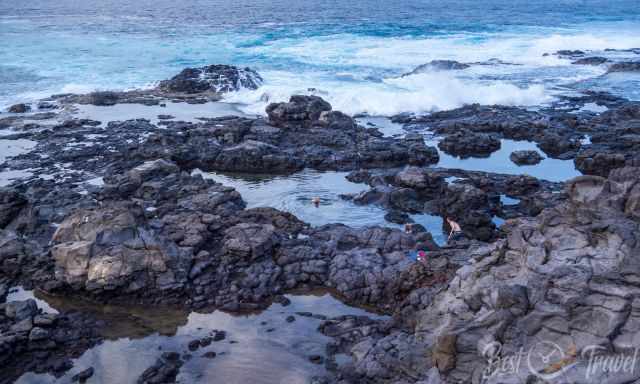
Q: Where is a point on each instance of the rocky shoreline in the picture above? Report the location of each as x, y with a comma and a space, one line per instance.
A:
114, 214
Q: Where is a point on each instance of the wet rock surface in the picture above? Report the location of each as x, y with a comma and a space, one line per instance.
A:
438, 65
164, 370
215, 78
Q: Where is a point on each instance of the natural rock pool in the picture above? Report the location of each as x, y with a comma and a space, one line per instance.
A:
276, 345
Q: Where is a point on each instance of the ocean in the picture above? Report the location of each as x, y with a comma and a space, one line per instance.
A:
352, 53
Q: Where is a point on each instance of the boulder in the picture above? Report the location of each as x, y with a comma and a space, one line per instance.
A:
595, 162
21, 310
300, 111
558, 146
469, 144
114, 248
103, 98
19, 108
526, 157
212, 78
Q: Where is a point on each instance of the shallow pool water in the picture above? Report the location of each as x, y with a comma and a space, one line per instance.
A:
179, 111
260, 347
10, 148
294, 194
383, 124
499, 162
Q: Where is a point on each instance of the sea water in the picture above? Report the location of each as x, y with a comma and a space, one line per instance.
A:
352, 53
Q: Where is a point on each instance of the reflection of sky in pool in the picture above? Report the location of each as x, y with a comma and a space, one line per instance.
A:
267, 349
499, 162
180, 111
294, 193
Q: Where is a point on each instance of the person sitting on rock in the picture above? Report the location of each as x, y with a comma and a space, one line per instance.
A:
408, 228
455, 229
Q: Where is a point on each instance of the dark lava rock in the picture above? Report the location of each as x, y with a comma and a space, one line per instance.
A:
438, 65
34, 342
299, 111
103, 98
210, 355
526, 157
194, 345
11, 202
558, 146
19, 108
470, 207
214, 78
290, 319
469, 144
165, 117
601, 163
165, 370
20, 310
282, 300
398, 217
303, 132
627, 66
83, 376
219, 336
594, 60
568, 52
46, 105
316, 359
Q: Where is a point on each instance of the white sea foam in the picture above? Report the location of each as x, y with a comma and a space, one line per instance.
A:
360, 74
420, 93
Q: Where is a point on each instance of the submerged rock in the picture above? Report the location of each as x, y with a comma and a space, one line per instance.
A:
165, 369
212, 78
37, 342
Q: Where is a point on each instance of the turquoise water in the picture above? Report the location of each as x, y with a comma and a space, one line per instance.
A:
351, 52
